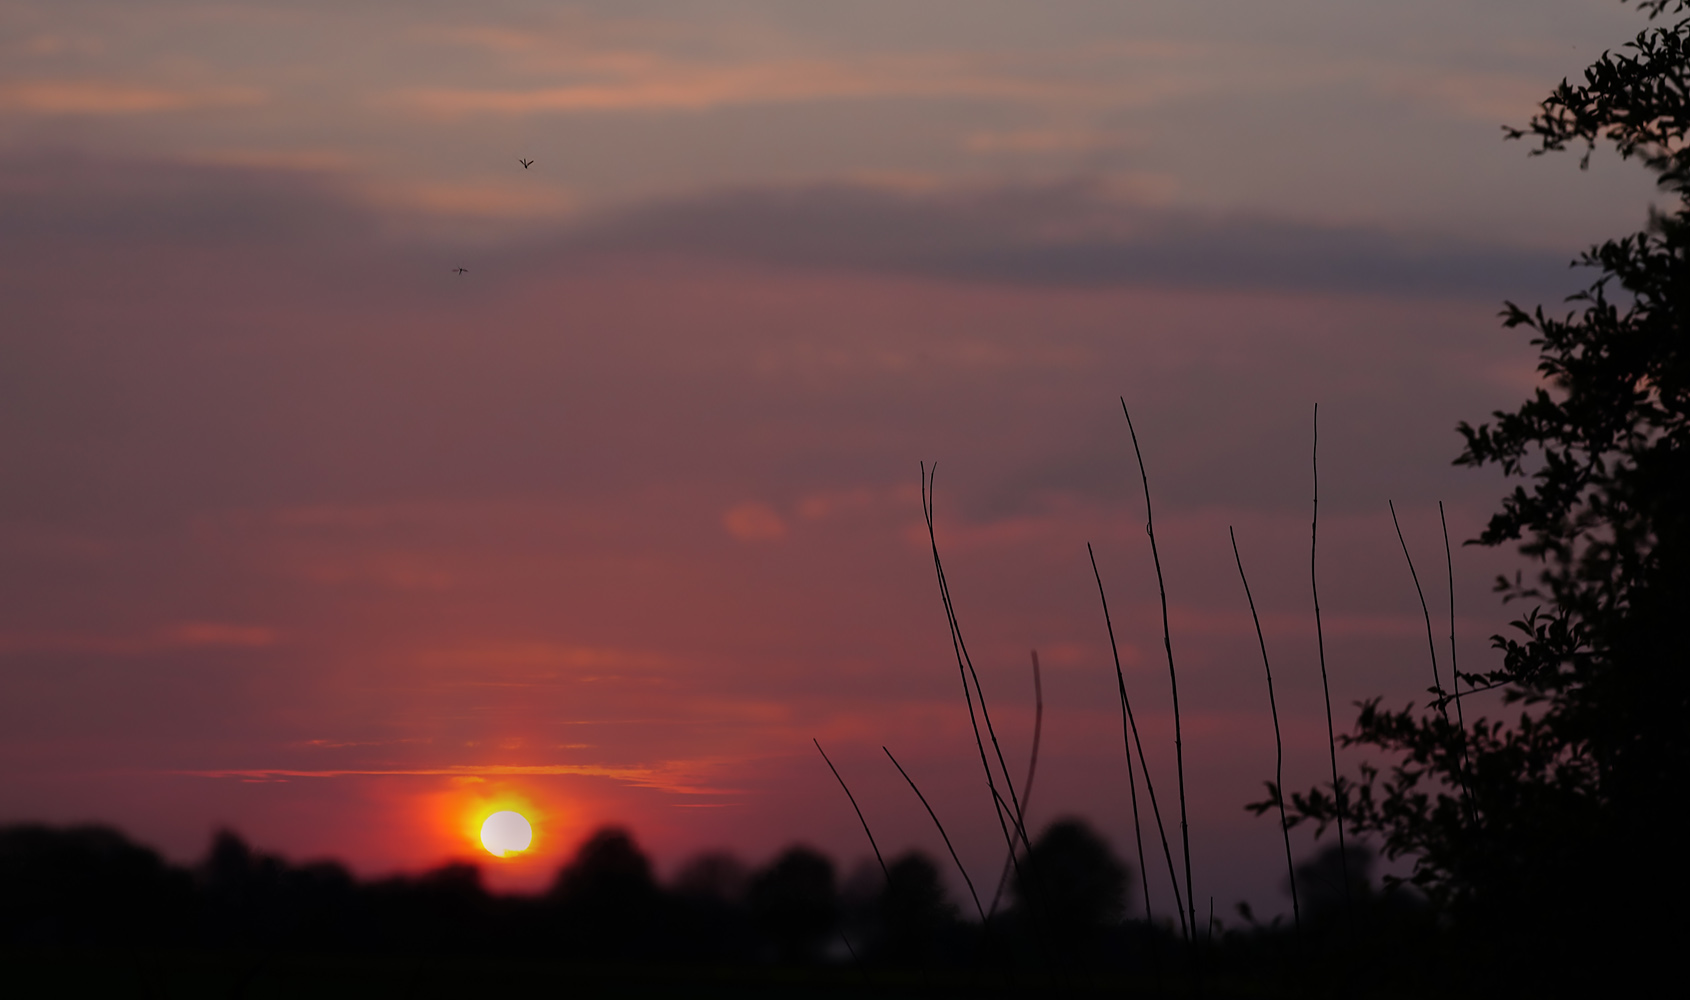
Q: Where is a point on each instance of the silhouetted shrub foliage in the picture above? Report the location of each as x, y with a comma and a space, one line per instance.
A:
1544, 839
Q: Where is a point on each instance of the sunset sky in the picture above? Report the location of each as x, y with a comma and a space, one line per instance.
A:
304, 534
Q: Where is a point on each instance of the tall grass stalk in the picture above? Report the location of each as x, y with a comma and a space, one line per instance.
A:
1431, 647
1038, 730
1454, 673
884, 870
965, 667
1338, 798
966, 880
1443, 697
1129, 723
1032, 770
1278, 740
1173, 678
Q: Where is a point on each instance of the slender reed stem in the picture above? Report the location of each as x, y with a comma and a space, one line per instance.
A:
929, 504
1173, 679
1128, 722
968, 881
855, 960
1443, 698
1431, 647
1338, 797
1017, 810
884, 870
1038, 732
1454, 673
1032, 769
1278, 741
1138, 833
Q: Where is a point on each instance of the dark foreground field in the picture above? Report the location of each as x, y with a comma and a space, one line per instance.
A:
194, 975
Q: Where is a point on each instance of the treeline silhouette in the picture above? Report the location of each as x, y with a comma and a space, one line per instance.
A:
92, 887
247, 923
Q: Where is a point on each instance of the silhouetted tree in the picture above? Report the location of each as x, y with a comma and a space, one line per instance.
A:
609, 900
253, 899
709, 897
795, 904
1071, 886
444, 910
1546, 839
913, 909
1329, 884
714, 875
242, 891
88, 885
608, 871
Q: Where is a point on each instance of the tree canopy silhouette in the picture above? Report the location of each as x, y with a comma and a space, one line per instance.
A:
1552, 833
795, 902
609, 899
1072, 881
914, 910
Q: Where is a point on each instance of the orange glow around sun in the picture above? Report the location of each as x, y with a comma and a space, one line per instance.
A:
507, 823
506, 833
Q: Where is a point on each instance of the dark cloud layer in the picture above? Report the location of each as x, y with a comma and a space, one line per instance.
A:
67, 193
1068, 236
332, 349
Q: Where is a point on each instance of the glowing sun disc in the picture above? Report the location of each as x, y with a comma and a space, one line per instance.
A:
506, 833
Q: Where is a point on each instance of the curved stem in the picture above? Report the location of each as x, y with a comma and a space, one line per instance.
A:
1338, 797
1130, 723
883, 869
968, 881
1278, 741
1173, 679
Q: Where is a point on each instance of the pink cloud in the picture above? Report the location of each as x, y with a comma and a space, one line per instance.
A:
754, 522
96, 97
642, 82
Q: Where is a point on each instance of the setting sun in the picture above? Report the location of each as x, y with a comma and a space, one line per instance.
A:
506, 833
